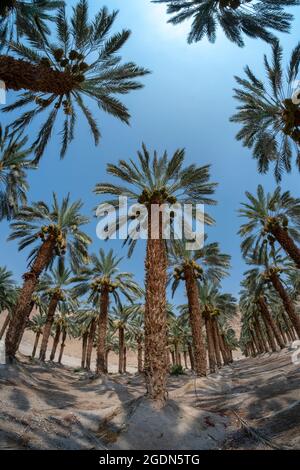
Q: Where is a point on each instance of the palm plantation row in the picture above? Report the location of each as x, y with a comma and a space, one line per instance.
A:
81, 293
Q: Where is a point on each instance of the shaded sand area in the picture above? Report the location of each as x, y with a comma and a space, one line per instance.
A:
253, 404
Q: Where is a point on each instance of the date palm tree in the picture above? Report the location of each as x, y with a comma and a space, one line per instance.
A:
236, 17
256, 292
120, 317
269, 113
191, 267
100, 280
13, 166
18, 16
55, 286
272, 268
53, 231
274, 217
59, 76
155, 182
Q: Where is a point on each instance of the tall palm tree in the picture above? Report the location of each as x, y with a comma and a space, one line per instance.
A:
274, 217
154, 182
54, 231
59, 75
18, 16
255, 291
190, 267
271, 268
56, 287
13, 165
99, 280
87, 319
269, 113
236, 18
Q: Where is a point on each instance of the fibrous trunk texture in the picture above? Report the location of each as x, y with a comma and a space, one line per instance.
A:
196, 322
36, 342
269, 320
287, 243
155, 361
62, 346
84, 348
5, 325
102, 331
55, 342
92, 332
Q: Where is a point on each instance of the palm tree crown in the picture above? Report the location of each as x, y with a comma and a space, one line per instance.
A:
60, 223
13, 183
87, 57
18, 16
236, 17
103, 273
159, 180
266, 212
270, 114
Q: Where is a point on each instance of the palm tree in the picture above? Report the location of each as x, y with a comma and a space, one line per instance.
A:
54, 231
192, 266
270, 113
58, 76
87, 319
100, 280
16, 17
256, 292
36, 324
55, 286
271, 266
272, 217
13, 163
154, 182
236, 17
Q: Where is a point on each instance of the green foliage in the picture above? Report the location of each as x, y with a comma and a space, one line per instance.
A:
270, 120
83, 51
176, 370
236, 18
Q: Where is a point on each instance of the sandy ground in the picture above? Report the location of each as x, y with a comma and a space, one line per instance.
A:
255, 403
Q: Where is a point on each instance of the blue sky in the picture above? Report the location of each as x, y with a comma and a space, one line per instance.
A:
186, 102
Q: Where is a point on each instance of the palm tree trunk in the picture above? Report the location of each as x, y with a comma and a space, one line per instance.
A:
214, 325
19, 74
121, 350
196, 322
91, 338
140, 355
177, 354
125, 360
155, 364
55, 342
24, 306
210, 345
173, 358
224, 351
48, 326
256, 343
106, 358
262, 343
191, 356
288, 324
5, 325
287, 302
36, 342
102, 331
287, 243
84, 348
269, 320
63, 344
185, 359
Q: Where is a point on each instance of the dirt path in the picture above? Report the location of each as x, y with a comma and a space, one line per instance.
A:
255, 403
